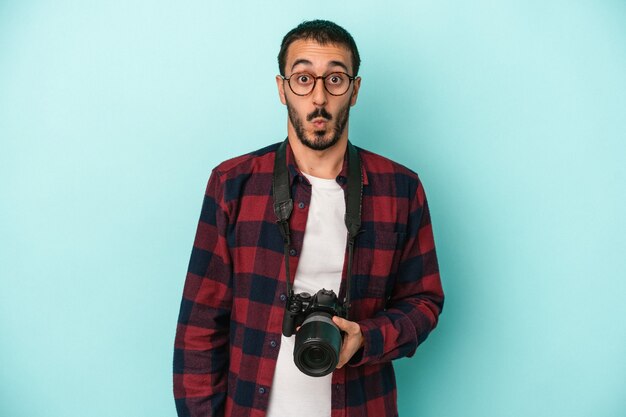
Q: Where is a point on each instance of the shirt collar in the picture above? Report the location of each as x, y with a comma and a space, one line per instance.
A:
296, 175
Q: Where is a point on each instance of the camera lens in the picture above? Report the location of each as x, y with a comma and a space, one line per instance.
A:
316, 357
318, 342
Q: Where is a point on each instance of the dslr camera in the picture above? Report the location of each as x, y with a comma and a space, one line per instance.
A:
318, 339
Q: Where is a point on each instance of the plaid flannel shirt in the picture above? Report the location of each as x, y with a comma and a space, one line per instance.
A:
230, 322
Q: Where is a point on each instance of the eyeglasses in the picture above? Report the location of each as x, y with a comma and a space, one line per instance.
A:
336, 83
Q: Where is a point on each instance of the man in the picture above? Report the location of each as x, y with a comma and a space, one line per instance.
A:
230, 356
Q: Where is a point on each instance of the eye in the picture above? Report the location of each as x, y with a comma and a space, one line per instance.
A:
304, 79
335, 79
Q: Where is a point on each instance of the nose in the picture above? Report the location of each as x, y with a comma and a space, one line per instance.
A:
319, 93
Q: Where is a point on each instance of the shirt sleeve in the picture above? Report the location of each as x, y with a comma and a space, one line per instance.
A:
201, 346
417, 297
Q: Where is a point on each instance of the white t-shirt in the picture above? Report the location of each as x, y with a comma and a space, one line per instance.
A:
320, 266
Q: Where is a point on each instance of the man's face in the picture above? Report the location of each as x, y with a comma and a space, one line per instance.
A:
319, 119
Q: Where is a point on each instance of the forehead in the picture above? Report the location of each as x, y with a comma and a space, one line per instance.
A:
308, 53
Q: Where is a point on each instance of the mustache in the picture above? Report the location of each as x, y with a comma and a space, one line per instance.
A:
319, 113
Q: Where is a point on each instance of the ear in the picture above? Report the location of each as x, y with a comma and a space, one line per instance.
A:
355, 90
280, 83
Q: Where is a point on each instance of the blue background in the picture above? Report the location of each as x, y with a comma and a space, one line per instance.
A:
112, 115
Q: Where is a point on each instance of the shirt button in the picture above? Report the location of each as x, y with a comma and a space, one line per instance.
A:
292, 252
301, 205
261, 390
273, 343
283, 297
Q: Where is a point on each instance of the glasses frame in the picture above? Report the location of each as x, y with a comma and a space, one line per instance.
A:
318, 77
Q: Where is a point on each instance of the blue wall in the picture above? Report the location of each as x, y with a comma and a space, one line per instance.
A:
514, 113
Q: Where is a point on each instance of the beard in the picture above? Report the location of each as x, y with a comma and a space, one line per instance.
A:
320, 139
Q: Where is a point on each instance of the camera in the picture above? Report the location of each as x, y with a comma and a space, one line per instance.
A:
318, 339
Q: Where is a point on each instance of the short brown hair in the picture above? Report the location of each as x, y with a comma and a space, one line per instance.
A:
323, 32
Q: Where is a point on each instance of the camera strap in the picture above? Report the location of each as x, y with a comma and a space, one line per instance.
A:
283, 206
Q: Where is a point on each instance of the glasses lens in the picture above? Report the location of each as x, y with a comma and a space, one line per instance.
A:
301, 83
337, 83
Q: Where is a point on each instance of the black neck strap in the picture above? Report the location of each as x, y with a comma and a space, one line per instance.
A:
283, 206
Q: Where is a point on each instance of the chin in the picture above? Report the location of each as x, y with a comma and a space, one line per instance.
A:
320, 143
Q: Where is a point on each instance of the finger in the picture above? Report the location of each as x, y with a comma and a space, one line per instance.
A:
340, 322
342, 358
347, 351
345, 325
342, 353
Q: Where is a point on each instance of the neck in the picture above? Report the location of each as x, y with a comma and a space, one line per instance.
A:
322, 164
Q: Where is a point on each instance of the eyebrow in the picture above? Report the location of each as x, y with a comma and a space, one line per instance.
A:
330, 64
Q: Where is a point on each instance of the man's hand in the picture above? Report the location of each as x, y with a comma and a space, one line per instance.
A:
352, 340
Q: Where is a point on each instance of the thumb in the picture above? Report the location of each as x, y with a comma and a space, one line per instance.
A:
340, 322
343, 324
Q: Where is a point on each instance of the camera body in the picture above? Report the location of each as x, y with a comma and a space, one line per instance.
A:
300, 306
318, 339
